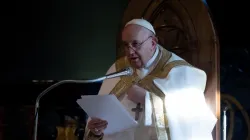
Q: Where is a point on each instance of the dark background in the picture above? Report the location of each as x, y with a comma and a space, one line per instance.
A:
59, 39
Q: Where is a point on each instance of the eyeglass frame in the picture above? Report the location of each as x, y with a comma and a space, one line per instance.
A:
138, 47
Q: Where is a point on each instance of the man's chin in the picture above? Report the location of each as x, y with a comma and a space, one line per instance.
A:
136, 65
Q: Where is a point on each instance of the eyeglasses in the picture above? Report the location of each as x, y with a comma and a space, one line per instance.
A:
134, 45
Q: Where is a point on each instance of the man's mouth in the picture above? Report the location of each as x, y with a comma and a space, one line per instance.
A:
134, 58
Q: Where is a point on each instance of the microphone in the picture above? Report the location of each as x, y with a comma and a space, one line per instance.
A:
124, 72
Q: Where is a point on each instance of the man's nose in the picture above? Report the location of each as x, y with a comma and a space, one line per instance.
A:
131, 50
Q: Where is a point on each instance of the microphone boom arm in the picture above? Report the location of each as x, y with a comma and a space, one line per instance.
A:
52, 87
125, 72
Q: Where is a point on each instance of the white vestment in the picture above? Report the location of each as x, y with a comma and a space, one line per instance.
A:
189, 117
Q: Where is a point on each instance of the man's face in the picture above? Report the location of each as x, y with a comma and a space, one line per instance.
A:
139, 45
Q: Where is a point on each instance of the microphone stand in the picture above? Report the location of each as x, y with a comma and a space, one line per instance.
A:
125, 72
52, 87
224, 129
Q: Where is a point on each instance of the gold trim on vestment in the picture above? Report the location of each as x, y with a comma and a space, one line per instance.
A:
126, 81
65, 133
157, 97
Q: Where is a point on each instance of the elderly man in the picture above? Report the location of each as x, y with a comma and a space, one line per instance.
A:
165, 93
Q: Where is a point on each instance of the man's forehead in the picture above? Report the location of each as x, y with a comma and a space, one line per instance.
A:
135, 31
132, 28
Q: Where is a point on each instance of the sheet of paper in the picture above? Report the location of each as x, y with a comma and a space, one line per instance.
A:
109, 108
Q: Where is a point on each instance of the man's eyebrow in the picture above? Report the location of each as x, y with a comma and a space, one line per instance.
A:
123, 41
130, 41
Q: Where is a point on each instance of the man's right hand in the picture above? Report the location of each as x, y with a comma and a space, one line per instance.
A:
97, 126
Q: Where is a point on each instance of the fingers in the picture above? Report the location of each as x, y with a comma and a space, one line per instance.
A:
101, 128
98, 130
96, 121
97, 126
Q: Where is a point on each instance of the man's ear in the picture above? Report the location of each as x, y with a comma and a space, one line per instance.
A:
154, 41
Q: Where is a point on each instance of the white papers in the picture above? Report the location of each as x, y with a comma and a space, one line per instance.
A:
109, 108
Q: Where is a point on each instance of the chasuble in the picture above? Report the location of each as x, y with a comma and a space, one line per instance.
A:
175, 106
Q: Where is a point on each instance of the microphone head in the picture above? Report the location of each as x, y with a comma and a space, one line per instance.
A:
130, 71
125, 72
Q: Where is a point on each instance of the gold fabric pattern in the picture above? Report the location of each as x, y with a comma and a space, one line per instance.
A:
157, 97
126, 81
66, 133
